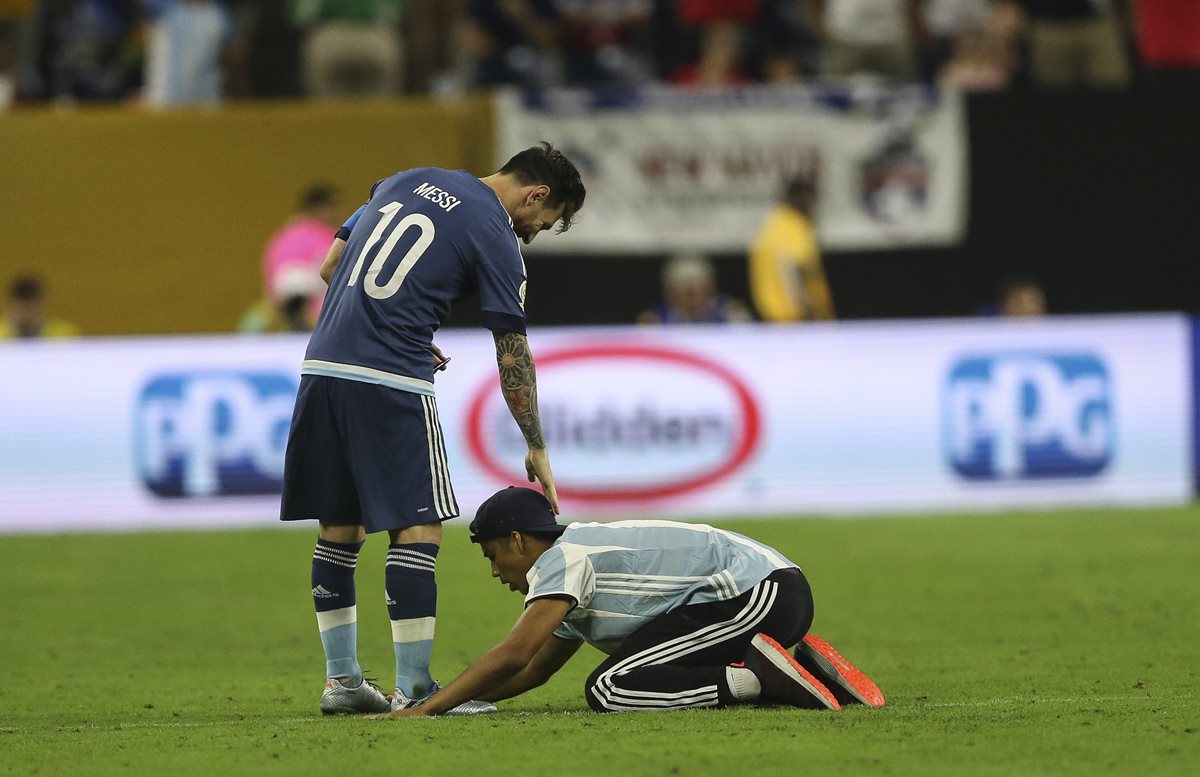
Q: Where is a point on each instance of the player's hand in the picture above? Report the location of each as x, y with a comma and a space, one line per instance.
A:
410, 712
537, 467
439, 359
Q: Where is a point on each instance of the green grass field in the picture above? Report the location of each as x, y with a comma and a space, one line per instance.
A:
1035, 643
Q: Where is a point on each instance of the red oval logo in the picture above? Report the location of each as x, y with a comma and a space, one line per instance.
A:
638, 422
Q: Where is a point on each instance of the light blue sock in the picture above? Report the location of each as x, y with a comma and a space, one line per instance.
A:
341, 647
412, 607
412, 666
337, 611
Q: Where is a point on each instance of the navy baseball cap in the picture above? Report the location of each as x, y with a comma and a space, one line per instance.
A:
514, 509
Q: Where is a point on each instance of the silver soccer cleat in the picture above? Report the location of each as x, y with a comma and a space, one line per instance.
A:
400, 701
340, 700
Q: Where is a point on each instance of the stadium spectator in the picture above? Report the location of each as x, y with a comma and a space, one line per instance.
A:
289, 305
431, 31
787, 278
713, 33
26, 316
720, 60
352, 47
872, 37
696, 12
301, 244
782, 67
981, 60
512, 42
604, 40
1075, 43
783, 47
690, 295
1021, 297
706, 616
8, 62
192, 51
973, 43
1168, 41
77, 50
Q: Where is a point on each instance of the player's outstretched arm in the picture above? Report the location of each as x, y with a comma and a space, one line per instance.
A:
518, 383
553, 655
499, 665
332, 257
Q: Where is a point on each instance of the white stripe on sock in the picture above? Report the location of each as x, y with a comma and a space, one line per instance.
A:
410, 555
331, 619
321, 556
349, 555
413, 629
415, 561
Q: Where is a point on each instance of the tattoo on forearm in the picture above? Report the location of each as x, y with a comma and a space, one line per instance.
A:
518, 383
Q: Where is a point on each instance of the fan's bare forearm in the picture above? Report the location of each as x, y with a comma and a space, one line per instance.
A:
518, 383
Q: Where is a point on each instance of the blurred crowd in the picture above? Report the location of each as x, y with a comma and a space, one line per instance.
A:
172, 52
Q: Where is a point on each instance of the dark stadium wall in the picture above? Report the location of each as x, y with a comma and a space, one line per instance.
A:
155, 222
1094, 195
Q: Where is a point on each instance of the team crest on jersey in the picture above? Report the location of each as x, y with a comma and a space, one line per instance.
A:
521, 294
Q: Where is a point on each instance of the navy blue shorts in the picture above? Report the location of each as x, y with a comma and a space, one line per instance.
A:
363, 454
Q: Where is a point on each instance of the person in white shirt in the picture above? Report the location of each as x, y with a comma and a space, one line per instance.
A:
690, 616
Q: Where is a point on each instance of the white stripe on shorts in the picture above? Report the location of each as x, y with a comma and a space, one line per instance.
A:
443, 465
437, 471
762, 598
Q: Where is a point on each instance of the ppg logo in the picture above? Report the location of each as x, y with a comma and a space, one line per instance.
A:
214, 433
1028, 415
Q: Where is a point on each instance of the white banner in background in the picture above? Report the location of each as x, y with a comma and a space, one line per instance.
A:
670, 170
691, 422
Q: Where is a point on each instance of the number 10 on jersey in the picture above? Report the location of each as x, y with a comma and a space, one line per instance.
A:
389, 211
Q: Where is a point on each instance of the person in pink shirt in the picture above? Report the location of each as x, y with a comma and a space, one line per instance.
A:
301, 243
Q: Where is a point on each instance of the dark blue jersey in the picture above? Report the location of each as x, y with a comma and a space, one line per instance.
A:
425, 238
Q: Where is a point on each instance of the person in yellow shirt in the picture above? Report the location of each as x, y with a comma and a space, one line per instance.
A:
787, 279
26, 316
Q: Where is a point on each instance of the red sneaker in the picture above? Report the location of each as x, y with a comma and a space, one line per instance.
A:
848, 684
783, 679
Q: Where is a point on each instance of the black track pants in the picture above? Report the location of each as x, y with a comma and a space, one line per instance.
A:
678, 660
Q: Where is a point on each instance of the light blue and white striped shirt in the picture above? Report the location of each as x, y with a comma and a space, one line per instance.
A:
624, 574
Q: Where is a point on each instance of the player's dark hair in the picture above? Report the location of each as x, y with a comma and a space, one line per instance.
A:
547, 165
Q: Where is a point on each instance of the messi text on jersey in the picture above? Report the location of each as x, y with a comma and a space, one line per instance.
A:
443, 199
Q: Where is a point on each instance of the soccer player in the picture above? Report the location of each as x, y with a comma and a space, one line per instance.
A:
365, 452
690, 616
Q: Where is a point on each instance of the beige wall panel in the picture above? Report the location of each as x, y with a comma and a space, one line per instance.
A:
155, 222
